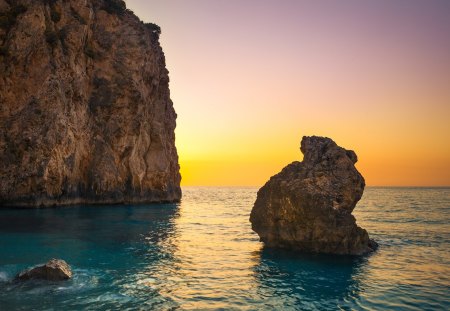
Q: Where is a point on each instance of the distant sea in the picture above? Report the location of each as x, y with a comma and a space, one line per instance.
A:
201, 254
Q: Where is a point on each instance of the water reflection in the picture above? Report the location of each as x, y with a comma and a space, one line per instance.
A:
108, 247
212, 260
110, 223
308, 281
202, 254
209, 259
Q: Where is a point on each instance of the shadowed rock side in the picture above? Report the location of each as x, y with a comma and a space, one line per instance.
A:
85, 109
308, 205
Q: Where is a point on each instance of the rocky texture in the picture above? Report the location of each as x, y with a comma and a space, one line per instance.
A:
54, 270
85, 109
308, 205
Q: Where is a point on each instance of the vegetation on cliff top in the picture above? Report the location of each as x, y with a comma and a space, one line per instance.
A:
114, 6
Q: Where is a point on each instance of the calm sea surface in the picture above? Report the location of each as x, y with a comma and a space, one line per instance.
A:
202, 255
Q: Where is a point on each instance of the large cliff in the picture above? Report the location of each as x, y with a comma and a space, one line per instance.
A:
85, 109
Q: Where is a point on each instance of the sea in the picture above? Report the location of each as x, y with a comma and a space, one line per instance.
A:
201, 254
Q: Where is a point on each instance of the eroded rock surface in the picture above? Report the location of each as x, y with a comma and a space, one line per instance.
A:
85, 108
308, 205
54, 270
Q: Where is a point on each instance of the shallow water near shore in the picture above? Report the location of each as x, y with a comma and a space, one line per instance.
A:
201, 254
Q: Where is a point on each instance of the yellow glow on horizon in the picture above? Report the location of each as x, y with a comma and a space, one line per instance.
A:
399, 138
395, 153
373, 76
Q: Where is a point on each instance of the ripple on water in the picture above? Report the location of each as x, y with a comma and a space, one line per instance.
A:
202, 254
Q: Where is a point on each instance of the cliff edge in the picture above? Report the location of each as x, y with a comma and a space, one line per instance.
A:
85, 108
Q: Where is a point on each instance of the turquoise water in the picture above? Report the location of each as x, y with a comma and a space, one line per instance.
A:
202, 255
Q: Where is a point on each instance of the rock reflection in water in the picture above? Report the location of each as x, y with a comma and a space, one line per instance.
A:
308, 281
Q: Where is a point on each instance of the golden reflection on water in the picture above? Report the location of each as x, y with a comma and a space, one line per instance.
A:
212, 255
210, 259
202, 254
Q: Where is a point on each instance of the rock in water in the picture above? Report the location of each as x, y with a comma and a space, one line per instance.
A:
308, 205
85, 108
54, 270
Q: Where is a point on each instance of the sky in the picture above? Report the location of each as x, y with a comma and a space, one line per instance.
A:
249, 78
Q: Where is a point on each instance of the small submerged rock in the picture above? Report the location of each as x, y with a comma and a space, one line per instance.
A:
54, 270
308, 205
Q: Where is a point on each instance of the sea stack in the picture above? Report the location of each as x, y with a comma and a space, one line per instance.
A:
308, 205
85, 109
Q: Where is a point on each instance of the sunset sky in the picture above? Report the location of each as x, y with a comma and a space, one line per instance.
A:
250, 78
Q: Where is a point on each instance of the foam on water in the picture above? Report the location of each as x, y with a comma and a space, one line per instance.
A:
202, 254
3, 277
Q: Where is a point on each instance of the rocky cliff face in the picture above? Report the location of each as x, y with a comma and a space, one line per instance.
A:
308, 205
85, 109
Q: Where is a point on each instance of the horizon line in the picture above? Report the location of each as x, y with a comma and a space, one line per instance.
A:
367, 186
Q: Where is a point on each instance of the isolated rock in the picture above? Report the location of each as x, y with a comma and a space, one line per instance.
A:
54, 270
308, 205
85, 108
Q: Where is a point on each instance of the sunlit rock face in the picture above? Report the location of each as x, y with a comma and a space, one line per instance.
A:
85, 108
308, 205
